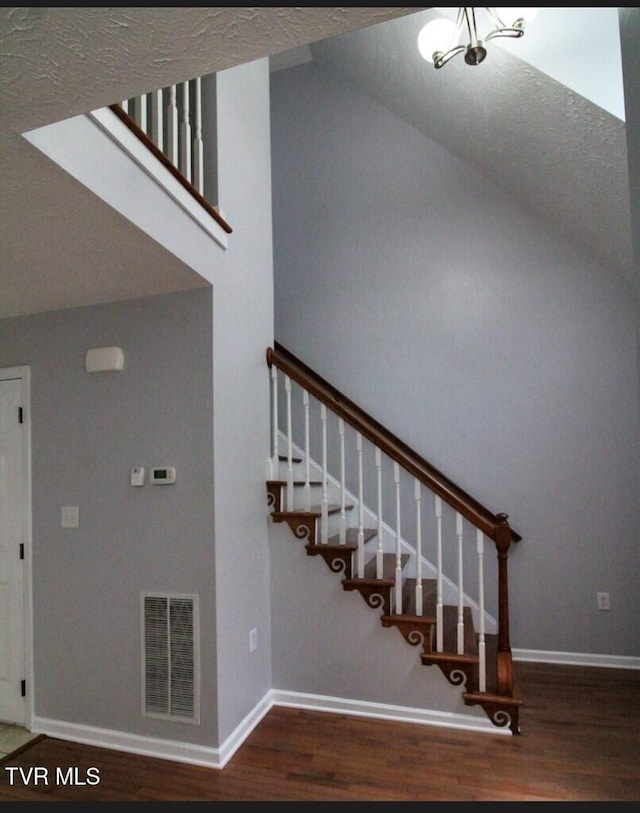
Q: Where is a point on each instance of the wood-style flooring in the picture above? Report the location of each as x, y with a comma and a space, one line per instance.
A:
580, 741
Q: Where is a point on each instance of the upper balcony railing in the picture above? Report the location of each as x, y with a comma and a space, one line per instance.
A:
178, 124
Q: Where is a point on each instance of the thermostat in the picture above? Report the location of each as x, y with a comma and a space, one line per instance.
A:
163, 475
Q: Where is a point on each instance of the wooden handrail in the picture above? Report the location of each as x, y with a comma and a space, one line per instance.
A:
490, 524
149, 144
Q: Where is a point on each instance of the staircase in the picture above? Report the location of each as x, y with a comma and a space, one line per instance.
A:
331, 513
435, 612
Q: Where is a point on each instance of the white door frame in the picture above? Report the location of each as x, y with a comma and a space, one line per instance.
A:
24, 375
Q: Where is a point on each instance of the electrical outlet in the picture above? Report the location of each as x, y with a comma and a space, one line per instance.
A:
603, 601
253, 640
69, 516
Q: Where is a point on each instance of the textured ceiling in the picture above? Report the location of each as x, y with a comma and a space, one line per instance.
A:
561, 156
60, 246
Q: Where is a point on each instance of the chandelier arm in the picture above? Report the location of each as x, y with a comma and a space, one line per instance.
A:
472, 28
442, 58
493, 14
505, 32
460, 21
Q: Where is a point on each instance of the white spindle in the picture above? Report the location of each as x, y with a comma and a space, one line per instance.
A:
124, 104
380, 548
198, 149
439, 609
172, 126
324, 512
307, 453
398, 573
185, 134
157, 120
459, 531
142, 113
343, 487
418, 498
482, 676
287, 386
360, 559
274, 463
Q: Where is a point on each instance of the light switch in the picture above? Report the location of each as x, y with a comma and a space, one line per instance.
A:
70, 515
137, 476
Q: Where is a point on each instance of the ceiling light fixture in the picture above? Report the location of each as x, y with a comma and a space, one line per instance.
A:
439, 40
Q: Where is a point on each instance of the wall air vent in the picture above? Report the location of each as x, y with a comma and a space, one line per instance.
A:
170, 657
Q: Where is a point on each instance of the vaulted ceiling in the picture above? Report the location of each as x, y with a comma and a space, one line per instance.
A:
557, 153
60, 246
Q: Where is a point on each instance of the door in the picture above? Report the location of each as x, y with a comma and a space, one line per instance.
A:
13, 496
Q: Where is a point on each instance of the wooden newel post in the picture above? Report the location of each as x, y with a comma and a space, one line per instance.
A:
503, 536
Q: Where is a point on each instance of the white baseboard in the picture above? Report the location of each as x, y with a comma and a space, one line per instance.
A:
190, 753
576, 658
383, 711
211, 757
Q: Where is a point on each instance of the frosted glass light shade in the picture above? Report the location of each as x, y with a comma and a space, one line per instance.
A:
436, 36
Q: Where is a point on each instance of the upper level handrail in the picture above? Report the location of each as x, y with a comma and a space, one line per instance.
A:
489, 523
191, 189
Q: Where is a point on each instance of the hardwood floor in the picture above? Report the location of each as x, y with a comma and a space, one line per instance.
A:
580, 741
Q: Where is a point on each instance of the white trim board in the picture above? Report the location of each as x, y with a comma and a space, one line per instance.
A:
213, 757
450, 588
576, 659
100, 152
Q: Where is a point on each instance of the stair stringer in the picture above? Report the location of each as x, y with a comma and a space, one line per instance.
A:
332, 651
450, 590
460, 671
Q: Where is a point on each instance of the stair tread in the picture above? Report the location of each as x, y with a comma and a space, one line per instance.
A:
316, 510
388, 570
333, 508
352, 536
296, 483
429, 587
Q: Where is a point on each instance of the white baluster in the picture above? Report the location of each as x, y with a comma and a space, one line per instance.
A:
398, 573
324, 511
482, 665
124, 104
343, 492
141, 113
185, 134
307, 453
460, 586
157, 120
360, 557
274, 469
360, 560
418, 498
439, 608
287, 386
198, 149
172, 127
380, 548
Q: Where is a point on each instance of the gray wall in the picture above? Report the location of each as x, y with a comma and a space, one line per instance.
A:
88, 430
194, 394
495, 348
242, 330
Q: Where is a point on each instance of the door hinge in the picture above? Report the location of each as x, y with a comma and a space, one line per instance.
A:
23, 688
22, 550
20, 415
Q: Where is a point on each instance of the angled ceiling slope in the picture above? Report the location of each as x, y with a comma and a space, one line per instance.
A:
560, 155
